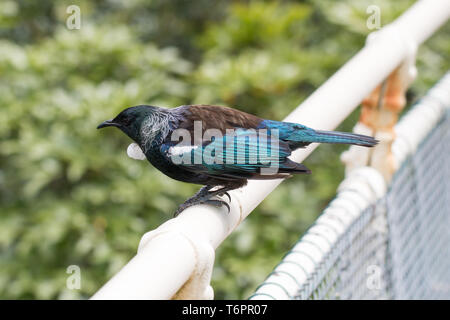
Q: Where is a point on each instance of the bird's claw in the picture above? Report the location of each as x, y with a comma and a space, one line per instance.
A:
216, 203
225, 194
219, 203
180, 209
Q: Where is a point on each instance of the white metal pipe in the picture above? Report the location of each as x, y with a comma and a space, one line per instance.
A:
162, 267
153, 273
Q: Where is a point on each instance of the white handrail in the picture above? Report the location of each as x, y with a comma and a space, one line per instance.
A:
180, 253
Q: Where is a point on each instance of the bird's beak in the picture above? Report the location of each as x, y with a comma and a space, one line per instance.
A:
107, 123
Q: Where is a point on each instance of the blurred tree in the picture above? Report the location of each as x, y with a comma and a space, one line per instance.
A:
69, 195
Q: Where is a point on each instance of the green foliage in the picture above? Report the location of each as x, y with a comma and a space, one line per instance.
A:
69, 195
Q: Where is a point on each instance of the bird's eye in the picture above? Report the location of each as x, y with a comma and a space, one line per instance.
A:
125, 121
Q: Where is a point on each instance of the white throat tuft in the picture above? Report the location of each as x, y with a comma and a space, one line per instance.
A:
135, 152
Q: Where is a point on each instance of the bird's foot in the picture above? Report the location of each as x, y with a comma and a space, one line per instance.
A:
204, 197
215, 203
219, 203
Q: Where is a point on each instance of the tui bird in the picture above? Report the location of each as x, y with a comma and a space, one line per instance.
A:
221, 147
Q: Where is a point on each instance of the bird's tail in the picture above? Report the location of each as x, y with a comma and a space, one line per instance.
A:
344, 138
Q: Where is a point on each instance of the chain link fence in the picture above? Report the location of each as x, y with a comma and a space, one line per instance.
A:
394, 247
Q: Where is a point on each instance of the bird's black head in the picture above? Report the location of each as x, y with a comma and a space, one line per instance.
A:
130, 120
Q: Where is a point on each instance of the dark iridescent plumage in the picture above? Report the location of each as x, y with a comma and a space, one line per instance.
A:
152, 128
